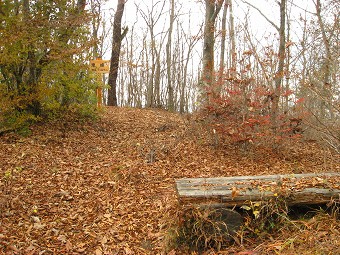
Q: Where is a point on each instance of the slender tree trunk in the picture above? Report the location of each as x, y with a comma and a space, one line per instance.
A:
168, 58
95, 11
131, 68
150, 89
184, 82
303, 92
190, 44
208, 45
326, 89
157, 82
287, 71
232, 38
212, 9
31, 87
280, 72
30, 55
223, 40
115, 54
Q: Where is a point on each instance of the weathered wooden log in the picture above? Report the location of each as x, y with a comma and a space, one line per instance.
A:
311, 188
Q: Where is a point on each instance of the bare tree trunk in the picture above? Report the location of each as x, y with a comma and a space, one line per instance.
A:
168, 59
151, 20
232, 38
157, 83
223, 40
34, 105
287, 71
326, 89
212, 9
303, 92
81, 5
279, 73
275, 97
184, 81
150, 88
95, 11
115, 54
145, 75
132, 70
190, 44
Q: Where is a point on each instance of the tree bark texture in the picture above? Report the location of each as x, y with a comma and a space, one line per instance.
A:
168, 59
233, 58
223, 40
117, 38
81, 5
326, 94
280, 68
212, 9
311, 188
34, 106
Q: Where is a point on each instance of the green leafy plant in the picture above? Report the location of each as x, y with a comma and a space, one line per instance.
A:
8, 174
267, 216
43, 65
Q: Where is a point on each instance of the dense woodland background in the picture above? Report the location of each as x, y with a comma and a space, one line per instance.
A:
282, 85
194, 90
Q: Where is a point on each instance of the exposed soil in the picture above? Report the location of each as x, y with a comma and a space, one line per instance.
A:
107, 186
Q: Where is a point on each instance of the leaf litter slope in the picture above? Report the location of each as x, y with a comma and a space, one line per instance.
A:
107, 187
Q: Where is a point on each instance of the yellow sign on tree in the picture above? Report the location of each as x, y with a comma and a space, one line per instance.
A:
100, 67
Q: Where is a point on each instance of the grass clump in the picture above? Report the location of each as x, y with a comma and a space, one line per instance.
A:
266, 217
200, 229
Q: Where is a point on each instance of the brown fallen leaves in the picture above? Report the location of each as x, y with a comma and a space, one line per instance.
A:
107, 186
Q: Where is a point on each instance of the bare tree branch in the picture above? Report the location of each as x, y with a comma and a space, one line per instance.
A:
262, 14
218, 7
301, 8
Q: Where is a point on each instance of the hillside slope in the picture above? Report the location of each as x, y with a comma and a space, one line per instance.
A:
107, 187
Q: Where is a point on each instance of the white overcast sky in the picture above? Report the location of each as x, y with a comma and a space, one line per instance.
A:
258, 25
268, 7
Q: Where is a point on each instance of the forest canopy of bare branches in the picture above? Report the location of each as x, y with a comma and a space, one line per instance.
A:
178, 56
259, 64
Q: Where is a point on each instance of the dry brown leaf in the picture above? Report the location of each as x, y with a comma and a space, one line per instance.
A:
234, 192
98, 252
62, 238
128, 251
68, 245
104, 240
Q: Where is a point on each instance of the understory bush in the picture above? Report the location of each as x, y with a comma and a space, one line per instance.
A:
244, 113
210, 229
43, 62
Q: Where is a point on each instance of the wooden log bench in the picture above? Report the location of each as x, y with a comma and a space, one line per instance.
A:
219, 198
310, 188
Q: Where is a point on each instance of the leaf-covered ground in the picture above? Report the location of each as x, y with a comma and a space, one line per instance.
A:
107, 186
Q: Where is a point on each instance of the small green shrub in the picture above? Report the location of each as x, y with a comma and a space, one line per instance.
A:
266, 217
17, 121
